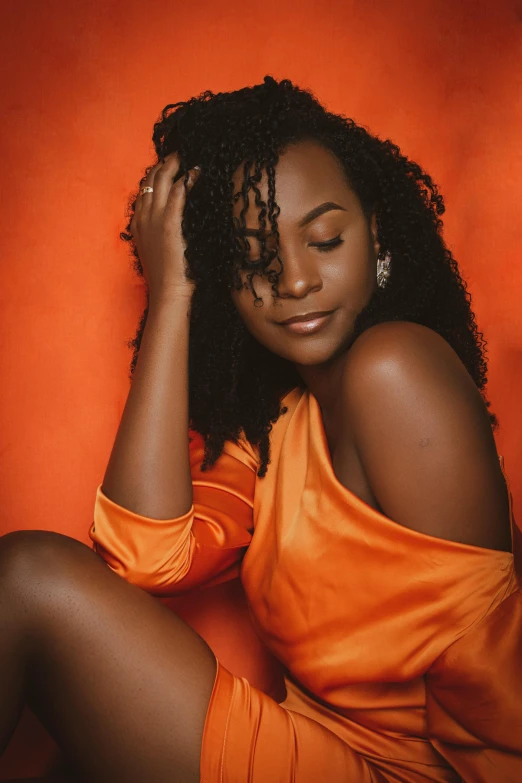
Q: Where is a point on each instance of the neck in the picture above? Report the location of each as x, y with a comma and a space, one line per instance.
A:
324, 382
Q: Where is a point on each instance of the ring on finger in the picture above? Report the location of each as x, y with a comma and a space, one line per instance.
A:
146, 189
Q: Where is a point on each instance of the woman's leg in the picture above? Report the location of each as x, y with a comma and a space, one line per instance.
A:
121, 682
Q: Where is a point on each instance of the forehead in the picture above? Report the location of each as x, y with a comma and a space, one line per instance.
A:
306, 174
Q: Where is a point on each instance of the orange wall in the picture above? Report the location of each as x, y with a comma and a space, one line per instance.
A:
85, 82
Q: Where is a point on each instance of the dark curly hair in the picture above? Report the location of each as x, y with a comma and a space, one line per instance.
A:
235, 384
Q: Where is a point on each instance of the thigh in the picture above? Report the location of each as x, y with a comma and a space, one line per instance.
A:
120, 681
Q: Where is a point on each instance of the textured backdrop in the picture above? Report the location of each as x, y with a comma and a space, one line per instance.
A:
83, 83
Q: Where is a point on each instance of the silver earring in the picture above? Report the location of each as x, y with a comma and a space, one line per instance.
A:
383, 269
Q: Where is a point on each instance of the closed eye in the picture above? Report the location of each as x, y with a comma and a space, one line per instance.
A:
323, 247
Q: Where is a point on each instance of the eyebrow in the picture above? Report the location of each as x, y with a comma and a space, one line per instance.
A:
314, 213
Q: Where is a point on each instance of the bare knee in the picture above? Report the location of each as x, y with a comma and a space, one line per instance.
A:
31, 558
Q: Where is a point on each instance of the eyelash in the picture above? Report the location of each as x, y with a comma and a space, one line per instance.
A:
323, 247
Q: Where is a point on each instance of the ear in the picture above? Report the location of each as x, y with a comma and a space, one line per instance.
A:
373, 231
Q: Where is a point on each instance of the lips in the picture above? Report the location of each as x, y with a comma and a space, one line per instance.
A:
306, 317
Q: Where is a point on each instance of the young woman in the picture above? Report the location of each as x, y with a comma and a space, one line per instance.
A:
307, 410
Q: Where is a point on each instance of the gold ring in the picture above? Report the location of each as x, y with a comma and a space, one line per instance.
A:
146, 189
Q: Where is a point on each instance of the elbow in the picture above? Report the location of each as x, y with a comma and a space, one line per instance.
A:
151, 571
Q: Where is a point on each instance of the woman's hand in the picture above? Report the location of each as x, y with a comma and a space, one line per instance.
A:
156, 229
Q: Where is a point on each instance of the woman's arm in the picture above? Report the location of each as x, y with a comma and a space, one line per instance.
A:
423, 435
148, 470
201, 548
159, 521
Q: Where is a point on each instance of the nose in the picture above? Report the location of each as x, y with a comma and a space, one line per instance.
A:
299, 277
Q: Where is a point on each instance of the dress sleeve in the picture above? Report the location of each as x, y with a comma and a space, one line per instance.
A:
474, 698
202, 548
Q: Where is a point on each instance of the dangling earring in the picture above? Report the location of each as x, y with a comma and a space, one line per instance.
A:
383, 269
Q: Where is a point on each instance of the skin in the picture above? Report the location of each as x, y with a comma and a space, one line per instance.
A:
121, 682
341, 279
407, 429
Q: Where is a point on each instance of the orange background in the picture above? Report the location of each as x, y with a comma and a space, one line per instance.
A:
83, 83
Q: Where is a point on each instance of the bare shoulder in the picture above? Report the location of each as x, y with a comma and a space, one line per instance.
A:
423, 435
402, 341
401, 357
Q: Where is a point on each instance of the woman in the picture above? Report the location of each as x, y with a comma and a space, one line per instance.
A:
319, 342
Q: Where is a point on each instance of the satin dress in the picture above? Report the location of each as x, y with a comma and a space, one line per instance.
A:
403, 651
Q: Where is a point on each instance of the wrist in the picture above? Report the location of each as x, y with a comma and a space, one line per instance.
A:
171, 294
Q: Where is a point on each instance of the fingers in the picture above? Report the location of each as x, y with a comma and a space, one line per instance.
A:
145, 201
168, 191
143, 198
177, 195
162, 181
168, 187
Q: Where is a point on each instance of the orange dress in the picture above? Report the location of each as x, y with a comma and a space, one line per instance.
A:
403, 651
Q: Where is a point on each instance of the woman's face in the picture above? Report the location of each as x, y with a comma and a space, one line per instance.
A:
339, 279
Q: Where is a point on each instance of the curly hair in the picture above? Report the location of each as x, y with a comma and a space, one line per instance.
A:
236, 385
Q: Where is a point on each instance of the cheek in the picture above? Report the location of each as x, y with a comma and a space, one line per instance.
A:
355, 277
254, 318
244, 303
